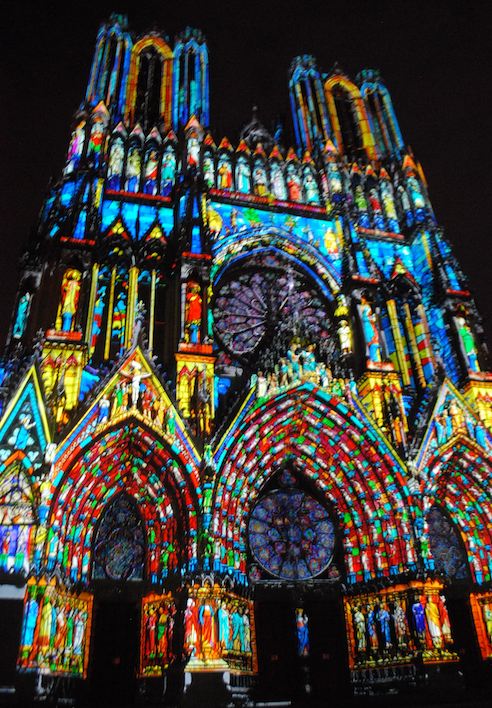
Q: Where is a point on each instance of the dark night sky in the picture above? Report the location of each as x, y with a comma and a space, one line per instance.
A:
434, 56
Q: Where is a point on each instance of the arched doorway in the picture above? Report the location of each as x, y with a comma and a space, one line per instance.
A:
457, 521
296, 565
123, 522
118, 572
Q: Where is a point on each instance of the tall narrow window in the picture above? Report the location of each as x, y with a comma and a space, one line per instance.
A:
148, 99
446, 546
352, 142
119, 546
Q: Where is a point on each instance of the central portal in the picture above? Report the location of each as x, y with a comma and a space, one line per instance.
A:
114, 653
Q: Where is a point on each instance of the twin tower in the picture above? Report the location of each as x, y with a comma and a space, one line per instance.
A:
147, 82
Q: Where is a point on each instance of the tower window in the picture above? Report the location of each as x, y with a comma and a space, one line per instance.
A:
147, 104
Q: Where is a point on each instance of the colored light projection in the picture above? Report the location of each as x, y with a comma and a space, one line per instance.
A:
302, 629
481, 605
335, 448
398, 625
55, 631
119, 544
315, 242
219, 631
123, 461
119, 447
457, 482
267, 297
156, 634
24, 437
16, 517
24, 426
290, 534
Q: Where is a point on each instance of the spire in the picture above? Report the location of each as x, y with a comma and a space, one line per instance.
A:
255, 132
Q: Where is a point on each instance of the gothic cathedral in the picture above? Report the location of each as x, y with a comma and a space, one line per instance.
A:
245, 435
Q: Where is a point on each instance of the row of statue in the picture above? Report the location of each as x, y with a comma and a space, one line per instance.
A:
216, 627
132, 393
157, 635
383, 628
299, 366
54, 633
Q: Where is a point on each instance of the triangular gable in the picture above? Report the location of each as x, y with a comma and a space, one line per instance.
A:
400, 270
118, 229
360, 418
450, 419
24, 425
154, 135
225, 144
330, 150
193, 124
117, 400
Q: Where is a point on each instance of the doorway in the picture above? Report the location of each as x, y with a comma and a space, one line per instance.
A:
114, 653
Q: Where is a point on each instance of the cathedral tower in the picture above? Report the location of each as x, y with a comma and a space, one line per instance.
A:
246, 401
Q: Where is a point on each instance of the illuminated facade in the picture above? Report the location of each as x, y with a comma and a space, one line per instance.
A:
247, 398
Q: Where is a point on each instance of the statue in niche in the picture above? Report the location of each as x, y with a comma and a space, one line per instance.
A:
259, 180
75, 148
22, 314
334, 179
302, 632
487, 616
208, 170
388, 201
151, 172
224, 173
115, 164
133, 166
371, 331
193, 151
467, 343
311, 188
416, 193
293, 184
374, 201
96, 141
243, 176
168, 170
278, 183
345, 337
360, 630
193, 312
70, 292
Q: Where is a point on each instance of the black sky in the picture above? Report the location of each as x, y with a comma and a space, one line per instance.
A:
434, 56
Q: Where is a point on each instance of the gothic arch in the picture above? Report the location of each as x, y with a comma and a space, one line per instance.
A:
350, 465
165, 55
288, 245
349, 92
125, 457
110, 67
308, 103
381, 115
458, 480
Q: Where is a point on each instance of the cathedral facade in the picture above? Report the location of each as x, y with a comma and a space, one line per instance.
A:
245, 436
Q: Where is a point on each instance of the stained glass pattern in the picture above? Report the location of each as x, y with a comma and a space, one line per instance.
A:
291, 535
119, 551
446, 546
156, 634
261, 301
395, 626
55, 631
